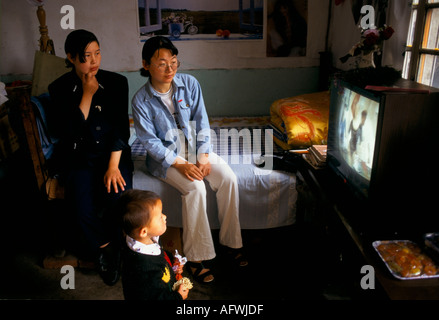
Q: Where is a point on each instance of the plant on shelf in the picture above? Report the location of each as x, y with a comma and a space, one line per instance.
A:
371, 42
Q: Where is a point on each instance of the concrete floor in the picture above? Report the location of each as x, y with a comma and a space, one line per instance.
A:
284, 264
296, 262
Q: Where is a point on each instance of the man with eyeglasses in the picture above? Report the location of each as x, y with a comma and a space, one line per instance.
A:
171, 121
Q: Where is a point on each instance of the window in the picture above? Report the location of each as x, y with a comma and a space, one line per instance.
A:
150, 16
421, 62
248, 14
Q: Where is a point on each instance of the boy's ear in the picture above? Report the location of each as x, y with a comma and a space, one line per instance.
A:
143, 232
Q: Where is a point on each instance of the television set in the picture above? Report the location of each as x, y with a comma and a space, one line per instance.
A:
382, 150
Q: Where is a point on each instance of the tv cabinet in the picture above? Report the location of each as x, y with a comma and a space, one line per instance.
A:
333, 205
398, 172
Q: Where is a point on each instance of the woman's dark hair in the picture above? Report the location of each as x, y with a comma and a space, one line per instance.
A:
151, 46
76, 43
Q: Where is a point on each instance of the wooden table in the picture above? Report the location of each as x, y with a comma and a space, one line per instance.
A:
322, 185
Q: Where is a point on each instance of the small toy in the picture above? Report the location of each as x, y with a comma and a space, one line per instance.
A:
185, 282
178, 262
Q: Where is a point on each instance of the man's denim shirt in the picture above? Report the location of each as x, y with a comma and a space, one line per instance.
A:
156, 127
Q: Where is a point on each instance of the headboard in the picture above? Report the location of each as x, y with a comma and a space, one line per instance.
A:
47, 68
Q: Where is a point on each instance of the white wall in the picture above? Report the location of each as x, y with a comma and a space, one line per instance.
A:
115, 23
344, 33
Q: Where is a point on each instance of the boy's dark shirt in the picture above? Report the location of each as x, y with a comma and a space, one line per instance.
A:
147, 277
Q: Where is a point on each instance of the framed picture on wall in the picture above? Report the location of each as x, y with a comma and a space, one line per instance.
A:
202, 20
287, 28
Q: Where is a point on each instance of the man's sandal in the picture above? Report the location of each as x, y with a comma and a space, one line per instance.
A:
237, 255
198, 275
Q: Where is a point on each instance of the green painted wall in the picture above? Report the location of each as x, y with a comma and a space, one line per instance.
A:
236, 92
244, 92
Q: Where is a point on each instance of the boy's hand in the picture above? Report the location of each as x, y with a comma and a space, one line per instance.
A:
183, 291
179, 269
183, 286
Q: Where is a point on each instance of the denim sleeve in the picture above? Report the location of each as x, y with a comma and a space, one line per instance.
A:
201, 119
146, 133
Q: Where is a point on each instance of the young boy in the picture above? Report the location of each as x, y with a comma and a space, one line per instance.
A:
147, 269
168, 92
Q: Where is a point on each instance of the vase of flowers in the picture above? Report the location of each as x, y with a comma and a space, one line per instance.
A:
371, 43
366, 60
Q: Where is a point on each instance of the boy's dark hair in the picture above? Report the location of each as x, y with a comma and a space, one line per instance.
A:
151, 46
76, 43
135, 207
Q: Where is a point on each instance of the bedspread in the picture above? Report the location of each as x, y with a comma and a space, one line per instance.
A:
301, 121
267, 197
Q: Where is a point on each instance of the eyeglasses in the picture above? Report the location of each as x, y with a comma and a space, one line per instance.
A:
163, 66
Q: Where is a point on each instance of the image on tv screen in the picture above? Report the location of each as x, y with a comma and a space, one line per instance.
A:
357, 131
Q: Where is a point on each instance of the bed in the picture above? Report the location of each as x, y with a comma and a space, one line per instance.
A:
267, 197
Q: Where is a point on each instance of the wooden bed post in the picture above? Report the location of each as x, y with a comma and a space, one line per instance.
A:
46, 44
20, 98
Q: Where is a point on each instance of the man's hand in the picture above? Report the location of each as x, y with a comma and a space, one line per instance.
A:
189, 170
203, 164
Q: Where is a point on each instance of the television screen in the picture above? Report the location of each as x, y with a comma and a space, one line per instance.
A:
352, 135
375, 176
358, 126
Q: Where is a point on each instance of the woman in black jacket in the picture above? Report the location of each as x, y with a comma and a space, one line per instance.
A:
89, 116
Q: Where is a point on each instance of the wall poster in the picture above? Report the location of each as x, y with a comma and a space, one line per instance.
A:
201, 19
287, 28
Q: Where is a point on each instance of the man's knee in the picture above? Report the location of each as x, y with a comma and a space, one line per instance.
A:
230, 178
197, 187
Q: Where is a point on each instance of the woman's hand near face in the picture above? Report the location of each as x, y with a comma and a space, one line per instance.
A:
89, 87
89, 84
